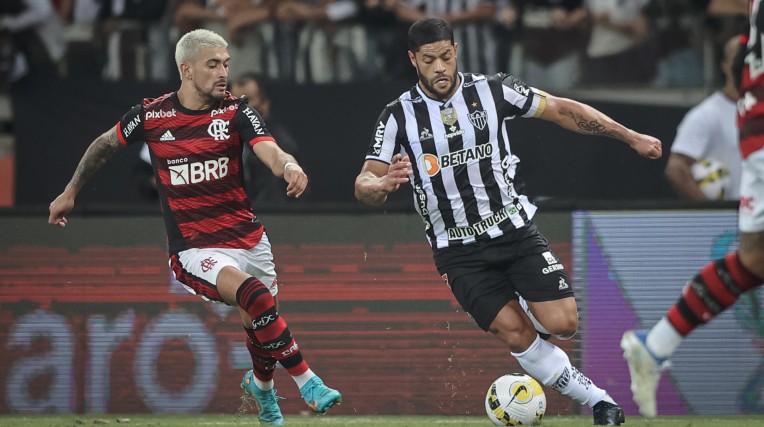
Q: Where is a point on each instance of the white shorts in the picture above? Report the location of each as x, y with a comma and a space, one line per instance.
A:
751, 217
198, 269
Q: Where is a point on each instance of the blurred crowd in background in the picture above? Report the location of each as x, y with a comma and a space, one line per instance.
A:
555, 44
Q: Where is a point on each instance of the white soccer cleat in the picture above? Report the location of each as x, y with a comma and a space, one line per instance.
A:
645, 371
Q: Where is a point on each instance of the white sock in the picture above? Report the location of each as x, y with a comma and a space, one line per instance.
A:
663, 339
550, 365
303, 378
263, 385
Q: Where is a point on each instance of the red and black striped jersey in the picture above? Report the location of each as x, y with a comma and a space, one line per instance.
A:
751, 102
196, 156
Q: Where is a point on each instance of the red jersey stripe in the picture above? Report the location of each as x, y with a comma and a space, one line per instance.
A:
201, 147
246, 241
210, 225
201, 202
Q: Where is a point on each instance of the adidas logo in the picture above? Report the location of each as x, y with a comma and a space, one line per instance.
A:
167, 136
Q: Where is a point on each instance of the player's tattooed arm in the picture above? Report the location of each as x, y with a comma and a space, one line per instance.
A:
592, 126
95, 156
99, 151
587, 120
581, 118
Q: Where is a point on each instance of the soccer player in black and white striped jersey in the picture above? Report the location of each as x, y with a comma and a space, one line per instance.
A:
448, 136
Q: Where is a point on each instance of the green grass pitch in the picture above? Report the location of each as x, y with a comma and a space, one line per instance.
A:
349, 421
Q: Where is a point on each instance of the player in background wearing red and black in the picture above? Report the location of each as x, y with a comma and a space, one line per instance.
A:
218, 249
720, 283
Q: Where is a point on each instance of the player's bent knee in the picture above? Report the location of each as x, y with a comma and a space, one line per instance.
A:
566, 336
564, 328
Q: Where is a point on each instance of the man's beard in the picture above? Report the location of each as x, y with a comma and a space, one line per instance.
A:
210, 95
431, 88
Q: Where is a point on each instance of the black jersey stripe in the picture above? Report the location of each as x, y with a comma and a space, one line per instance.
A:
461, 174
206, 212
497, 92
174, 237
422, 120
224, 185
481, 127
421, 202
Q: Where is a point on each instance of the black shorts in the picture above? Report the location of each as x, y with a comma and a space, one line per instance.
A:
486, 275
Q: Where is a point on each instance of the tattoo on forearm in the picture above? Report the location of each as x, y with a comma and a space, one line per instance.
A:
96, 155
592, 127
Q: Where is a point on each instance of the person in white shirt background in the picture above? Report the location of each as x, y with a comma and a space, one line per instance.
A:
709, 133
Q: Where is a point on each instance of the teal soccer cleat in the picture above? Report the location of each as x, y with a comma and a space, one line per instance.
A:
267, 401
318, 396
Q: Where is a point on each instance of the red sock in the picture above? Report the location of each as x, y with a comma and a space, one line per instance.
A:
716, 287
272, 336
263, 363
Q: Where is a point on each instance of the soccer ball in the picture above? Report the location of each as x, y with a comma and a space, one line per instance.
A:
514, 400
712, 178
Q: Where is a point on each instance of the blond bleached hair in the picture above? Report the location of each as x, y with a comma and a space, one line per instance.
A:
189, 45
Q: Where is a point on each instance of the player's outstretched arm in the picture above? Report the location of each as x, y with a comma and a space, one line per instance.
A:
283, 165
377, 179
95, 156
585, 119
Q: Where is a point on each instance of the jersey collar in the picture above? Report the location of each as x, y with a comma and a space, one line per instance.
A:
184, 110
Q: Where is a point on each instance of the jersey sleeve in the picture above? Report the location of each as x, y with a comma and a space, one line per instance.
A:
384, 143
251, 125
520, 99
130, 129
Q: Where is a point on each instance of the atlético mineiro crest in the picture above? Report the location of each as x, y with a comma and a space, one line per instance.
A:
478, 119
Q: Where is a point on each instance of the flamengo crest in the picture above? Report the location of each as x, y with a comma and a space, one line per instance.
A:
218, 129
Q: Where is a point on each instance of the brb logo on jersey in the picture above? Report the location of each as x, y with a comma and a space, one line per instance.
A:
184, 173
218, 129
432, 164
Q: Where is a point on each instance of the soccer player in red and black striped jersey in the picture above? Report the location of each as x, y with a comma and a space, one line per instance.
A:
450, 134
719, 284
218, 249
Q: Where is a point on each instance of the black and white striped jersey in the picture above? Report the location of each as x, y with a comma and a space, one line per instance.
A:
463, 165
